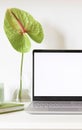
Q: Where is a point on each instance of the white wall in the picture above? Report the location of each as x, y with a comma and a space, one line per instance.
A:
62, 23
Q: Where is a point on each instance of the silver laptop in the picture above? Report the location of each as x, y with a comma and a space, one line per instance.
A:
57, 82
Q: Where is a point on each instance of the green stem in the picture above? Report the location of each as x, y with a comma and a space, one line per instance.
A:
21, 71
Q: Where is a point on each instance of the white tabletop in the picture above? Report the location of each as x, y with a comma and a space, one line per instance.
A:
24, 121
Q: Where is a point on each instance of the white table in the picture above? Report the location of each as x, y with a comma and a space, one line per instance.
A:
24, 121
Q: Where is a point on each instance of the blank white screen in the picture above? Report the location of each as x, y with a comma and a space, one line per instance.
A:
57, 74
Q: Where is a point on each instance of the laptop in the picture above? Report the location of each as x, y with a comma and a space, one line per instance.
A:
57, 82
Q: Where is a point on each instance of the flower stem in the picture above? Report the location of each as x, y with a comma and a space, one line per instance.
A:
21, 71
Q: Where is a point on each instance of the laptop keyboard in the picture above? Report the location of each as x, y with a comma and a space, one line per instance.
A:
55, 106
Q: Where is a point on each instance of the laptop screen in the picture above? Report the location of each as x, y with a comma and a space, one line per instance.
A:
57, 74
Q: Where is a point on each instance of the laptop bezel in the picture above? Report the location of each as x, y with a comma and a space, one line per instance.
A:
53, 98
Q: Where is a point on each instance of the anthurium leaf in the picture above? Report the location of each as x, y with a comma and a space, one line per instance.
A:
19, 25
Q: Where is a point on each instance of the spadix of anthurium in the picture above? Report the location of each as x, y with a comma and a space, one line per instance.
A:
19, 26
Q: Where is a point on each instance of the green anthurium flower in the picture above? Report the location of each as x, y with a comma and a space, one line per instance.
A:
19, 26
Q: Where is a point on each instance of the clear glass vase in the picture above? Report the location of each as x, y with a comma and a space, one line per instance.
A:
25, 96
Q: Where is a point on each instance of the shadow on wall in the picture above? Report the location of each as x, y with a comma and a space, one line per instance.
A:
54, 39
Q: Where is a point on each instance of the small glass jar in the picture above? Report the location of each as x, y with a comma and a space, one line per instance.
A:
1, 92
